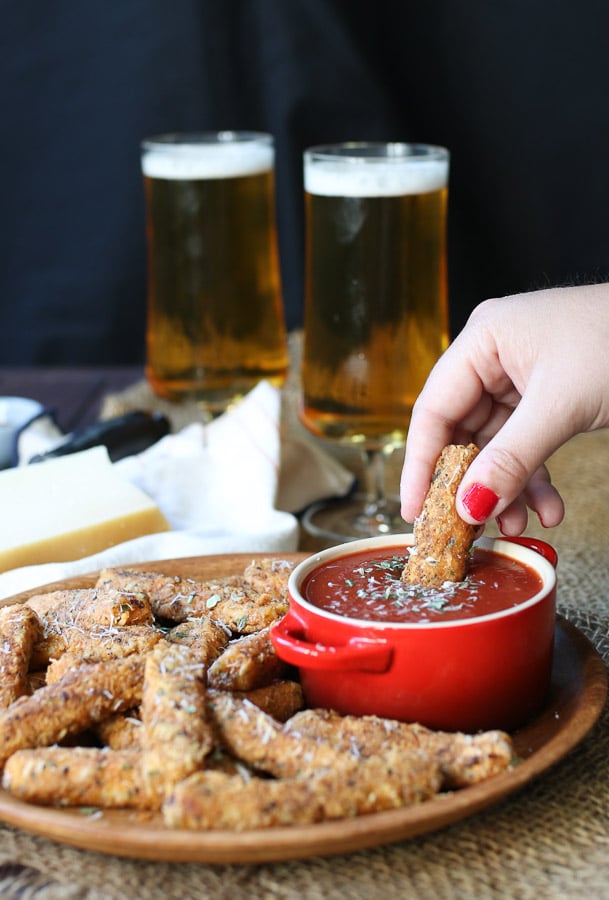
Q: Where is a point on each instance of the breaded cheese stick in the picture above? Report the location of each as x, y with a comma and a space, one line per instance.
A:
111, 641
254, 737
19, 629
230, 601
172, 597
87, 607
268, 575
176, 734
85, 695
248, 662
84, 609
122, 731
463, 759
102, 642
76, 776
280, 699
442, 540
351, 788
205, 638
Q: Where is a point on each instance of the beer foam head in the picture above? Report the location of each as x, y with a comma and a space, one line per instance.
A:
379, 176
189, 160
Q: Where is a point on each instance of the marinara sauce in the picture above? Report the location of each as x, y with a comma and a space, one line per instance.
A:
367, 585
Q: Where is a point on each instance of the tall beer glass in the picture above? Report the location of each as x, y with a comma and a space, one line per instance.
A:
215, 323
376, 316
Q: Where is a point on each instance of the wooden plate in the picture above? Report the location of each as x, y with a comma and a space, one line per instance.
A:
576, 699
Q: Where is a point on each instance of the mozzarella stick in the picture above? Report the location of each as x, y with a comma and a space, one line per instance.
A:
353, 787
254, 737
172, 597
463, 759
76, 776
19, 630
441, 539
102, 642
60, 666
87, 607
176, 735
269, 576
280, 699
122, 731
82, 610
111, 641
205, 638
232, 601
247, 663
85, 695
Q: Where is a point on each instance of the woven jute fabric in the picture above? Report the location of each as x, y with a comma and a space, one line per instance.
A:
549, 840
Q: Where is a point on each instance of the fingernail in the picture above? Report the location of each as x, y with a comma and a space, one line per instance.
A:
480, 501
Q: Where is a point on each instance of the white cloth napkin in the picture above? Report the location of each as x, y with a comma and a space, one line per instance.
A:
217, 486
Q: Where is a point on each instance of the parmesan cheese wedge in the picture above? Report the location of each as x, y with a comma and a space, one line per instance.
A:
70, 507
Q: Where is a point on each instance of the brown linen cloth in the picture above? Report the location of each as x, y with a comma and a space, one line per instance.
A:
550, 840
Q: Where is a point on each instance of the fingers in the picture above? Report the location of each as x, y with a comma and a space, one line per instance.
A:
431, 429
509, 473
509, 466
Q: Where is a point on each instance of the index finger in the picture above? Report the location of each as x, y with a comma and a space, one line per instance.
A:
451, 392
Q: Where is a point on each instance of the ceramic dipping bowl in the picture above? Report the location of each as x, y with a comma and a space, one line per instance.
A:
483, 671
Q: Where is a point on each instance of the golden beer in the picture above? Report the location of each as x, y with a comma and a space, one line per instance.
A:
376, 311
215, 323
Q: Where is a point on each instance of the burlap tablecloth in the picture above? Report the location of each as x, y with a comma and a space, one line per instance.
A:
549, 840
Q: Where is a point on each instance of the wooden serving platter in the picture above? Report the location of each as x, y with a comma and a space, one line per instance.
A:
575, 702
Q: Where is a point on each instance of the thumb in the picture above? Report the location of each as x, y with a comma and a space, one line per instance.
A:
505, 466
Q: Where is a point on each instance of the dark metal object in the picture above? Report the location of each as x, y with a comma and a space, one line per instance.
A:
122, 436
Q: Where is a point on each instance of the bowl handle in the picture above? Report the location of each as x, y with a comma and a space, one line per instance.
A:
542, 547
358, 654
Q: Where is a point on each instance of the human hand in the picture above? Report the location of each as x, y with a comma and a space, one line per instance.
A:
526, 374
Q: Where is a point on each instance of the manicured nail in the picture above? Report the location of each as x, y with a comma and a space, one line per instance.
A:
480, 501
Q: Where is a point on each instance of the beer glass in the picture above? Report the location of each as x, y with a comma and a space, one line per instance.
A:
215, 321
376, 312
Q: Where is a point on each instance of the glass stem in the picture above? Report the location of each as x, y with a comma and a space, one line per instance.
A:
374, 481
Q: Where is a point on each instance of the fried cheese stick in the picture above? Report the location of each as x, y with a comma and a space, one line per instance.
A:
269, 576
82, 610
84, 696
19, 630
102, 642
176, 735
77, 776
205, 638
251, 735
211, 799
122, 731
248, 662
230, 601
441, 539
463, 759
280, 699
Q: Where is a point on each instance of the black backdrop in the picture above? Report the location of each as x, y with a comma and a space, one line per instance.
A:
518, 91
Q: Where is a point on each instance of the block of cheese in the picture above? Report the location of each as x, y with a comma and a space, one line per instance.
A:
70, 507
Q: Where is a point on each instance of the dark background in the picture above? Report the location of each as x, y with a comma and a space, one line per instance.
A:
518, 91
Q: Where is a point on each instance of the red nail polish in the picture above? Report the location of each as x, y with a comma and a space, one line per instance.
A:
480, 501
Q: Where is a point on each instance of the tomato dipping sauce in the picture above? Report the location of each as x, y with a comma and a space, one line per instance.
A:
367, 585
